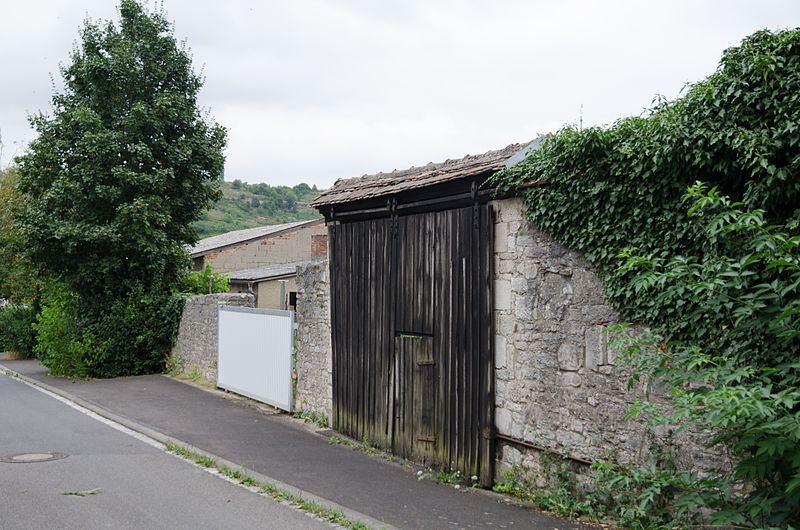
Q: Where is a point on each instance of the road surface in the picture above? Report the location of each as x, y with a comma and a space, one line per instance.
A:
125, 481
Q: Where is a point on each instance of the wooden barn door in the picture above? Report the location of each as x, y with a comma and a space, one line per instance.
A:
412, 328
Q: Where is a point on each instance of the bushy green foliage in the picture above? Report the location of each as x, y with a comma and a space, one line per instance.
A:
717, 278
249, 205
133, 336
653, 495
605, 190
59, 340
739, 376
113, 183
197, 282
16, 329
20, 278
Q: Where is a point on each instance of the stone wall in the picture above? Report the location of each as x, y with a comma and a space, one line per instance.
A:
314, 354
195, 351
284, 248
556, 382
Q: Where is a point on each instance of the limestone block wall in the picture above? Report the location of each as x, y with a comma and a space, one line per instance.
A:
313, 361
556, 383
285, 248
196, 348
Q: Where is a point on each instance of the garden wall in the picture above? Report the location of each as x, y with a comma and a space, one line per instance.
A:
195, 351
313, 359
556, 383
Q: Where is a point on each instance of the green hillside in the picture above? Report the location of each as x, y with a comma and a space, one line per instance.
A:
249, 205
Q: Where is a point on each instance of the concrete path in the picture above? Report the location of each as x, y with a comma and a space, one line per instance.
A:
288, 452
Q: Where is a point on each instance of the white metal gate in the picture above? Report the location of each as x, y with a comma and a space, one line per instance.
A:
254, 353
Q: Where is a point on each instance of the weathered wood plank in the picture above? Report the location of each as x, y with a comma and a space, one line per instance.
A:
430, 397
487, 456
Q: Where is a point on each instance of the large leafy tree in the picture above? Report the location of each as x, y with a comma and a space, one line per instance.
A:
126, 162
122, 167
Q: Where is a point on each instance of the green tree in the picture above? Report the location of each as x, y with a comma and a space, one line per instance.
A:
301, 188
116, 177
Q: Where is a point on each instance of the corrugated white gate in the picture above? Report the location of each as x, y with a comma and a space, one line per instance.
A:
254, 354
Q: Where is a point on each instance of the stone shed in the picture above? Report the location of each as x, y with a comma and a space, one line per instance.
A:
462, 336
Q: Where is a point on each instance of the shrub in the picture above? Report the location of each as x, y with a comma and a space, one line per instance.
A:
16, 329
197, 282
59, 346
132, 336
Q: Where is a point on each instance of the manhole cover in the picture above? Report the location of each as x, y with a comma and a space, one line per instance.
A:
29, 458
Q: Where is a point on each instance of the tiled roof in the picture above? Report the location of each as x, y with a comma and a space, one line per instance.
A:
267, 271
369, 186
243, 236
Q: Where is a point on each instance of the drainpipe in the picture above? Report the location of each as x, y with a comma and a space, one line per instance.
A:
283, 294
255, 296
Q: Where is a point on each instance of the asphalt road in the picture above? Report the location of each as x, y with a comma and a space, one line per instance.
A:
136, 484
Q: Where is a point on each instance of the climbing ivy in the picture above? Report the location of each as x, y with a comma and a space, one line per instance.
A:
714, 270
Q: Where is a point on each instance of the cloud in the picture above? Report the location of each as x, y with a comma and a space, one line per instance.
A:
317, 90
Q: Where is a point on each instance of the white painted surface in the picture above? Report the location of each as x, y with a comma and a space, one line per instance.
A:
255, 354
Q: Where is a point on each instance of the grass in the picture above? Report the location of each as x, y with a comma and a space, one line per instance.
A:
317, 510
367, 447
319, 419
453, 476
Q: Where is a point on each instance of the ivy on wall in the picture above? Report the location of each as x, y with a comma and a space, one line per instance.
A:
714, 268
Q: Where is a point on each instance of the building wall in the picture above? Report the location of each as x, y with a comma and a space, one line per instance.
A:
313, 362
556, 382
195, 350
269, 293
285, 248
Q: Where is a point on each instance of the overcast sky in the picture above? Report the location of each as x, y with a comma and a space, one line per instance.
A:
312, 91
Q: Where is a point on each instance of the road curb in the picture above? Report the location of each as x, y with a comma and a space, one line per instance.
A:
164, 439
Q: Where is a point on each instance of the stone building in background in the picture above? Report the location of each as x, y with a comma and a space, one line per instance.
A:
262, 261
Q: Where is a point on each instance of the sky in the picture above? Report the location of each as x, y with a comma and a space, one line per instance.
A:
312, 91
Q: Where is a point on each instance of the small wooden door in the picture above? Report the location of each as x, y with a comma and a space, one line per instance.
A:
415, 390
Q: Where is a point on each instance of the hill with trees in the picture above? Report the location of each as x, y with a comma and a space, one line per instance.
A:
246, 205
